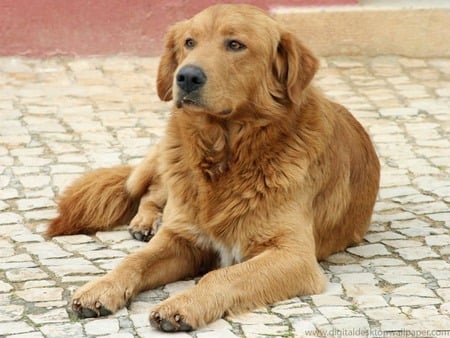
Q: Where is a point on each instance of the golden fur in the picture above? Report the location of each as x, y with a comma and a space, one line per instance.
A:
258, 177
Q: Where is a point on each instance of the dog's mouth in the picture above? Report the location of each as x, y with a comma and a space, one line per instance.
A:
188, 101
193, 103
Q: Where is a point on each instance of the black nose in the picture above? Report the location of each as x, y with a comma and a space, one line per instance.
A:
190, 78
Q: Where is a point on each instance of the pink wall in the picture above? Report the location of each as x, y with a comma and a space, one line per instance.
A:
102, 27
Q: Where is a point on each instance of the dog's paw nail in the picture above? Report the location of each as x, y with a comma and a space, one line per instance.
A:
155, 315
155, 320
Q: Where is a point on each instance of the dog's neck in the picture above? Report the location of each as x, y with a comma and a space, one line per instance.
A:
214, 145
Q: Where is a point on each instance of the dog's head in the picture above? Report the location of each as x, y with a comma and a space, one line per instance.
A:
229, 57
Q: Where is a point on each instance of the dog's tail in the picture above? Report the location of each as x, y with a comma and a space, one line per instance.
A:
96, 201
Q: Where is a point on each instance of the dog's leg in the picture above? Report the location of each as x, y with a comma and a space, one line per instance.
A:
165, 259
148, 219
275, 274
146, 181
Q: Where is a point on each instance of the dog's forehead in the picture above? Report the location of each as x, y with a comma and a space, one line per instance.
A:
230, 19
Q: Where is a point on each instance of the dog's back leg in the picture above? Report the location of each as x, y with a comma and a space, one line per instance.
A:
105, 198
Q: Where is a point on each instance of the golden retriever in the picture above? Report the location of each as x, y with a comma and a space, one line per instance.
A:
257, 178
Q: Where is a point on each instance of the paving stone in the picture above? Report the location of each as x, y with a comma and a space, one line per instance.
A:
14, 327
293, 309
11, 312
62, 330
10, 218
417, 253
413, 301
386, 235
355, 289
403, 243
20, 275
385, 313
438, 240
414, 290
369, 250
254, 318
47, 250
66, 116
328, 300
41, 294
219, 328
102, 327
258, 330
337, 312
370, 301
5, 287
51, 316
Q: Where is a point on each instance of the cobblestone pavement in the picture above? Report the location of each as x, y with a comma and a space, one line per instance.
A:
62, 117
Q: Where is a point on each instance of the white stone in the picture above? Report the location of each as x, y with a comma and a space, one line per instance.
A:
413, 301
10, 312
356, 289
293, 309
370, 301
41, 294
413, 290
358, 278
9, 328
304, 328
98, 327
326, 300
262, 329
112, 236
62, 330
417, 253
99, 254
381, 236
337, 311
51, 316
369, 250
253, 318
5, 287
35, 181
384, 313
47, 250
10, 218
403, 243
34, 203
438, 240
75, 269
20, 275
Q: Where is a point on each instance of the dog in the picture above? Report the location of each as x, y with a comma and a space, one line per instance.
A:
257, 178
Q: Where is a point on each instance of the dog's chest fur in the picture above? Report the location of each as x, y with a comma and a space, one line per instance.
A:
223, 177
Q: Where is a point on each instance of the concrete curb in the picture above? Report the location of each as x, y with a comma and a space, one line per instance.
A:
366, 30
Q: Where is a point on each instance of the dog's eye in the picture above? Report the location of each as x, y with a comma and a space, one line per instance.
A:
189, 43
234, 45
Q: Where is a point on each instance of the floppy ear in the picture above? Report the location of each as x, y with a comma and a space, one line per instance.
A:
167, 66
295, 66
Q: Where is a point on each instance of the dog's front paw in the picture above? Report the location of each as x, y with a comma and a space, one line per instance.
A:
99, 298
178, 313
169, 322
145, 225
